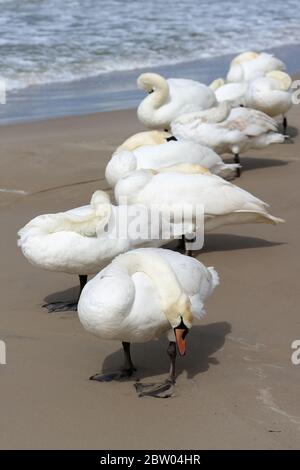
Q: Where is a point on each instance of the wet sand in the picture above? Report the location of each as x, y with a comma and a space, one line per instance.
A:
237, 387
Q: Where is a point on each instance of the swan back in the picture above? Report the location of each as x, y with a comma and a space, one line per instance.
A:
248, 67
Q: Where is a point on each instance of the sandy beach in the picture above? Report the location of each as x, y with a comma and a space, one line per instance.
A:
237, 387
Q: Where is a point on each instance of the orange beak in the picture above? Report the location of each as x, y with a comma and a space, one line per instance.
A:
180, 334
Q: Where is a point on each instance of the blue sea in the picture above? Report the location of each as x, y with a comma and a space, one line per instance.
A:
84, 55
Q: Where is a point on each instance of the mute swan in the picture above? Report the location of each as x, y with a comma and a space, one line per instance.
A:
243, 129
170, 98
250, 65
82, 240
270, 94
142, 295
164, 155
223, 202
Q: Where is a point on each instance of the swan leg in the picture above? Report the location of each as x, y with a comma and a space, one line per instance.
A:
67, 306
124, 373
157, 390
284, 125
237, 160
188, 252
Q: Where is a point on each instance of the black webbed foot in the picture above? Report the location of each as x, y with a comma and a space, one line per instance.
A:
118, 375
61, 306
156, 390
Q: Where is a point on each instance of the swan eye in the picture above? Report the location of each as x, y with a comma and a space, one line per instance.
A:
151, 91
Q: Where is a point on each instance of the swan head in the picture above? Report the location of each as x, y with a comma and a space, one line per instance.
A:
150, 81
181, 319
120, 165
217, 84
102, 207
180, 332
99, 197
283, 80
148, 108
99, 202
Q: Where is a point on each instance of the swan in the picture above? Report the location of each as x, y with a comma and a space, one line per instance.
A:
83, 240
270, 94
250, 65
164, 155
169, 98
142, 295
243, 129
223, 202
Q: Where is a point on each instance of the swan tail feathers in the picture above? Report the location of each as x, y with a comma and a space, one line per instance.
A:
249, 216
275, 220
214, 276
277, 138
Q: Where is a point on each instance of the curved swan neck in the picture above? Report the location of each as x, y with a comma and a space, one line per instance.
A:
158, 88
175, 303
223, 111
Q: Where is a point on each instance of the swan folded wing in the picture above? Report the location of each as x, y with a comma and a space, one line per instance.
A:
99, 297
232, 199
211, 115
190, 95
251, 121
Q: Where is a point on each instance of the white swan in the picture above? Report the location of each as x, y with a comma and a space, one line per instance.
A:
250, 65
155, 157
142, 295
243, 129
223, 202
170, 98
83, 240
270, 94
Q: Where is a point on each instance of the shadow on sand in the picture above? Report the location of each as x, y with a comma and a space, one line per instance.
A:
151, 358
67, 295
231, 242
253, 163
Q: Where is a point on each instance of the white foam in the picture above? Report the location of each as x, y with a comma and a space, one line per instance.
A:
14, 191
